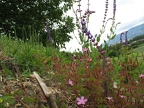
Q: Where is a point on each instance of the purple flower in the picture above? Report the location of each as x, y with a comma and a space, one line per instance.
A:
90, 36
70, 82
93, 39
114, 8
126, 41
87, 33
84, 30
96, 43
141, 75
81, 101
83, 22
89, 12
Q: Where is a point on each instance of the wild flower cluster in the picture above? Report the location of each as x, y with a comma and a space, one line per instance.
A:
99, 81
87, 79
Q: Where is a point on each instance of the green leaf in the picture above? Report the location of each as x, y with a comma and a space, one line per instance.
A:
98, 38
26, 74
81, 38
111, 29
91, 46
18, 92
106, 45
108, 36
104, 41
7, 98
29, 99
8, 71
113, 36
101, 31
1, 100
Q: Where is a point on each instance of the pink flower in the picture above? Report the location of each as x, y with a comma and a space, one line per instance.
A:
81, 100
122, 96
110, 98
84, 49
141, 75
70, 82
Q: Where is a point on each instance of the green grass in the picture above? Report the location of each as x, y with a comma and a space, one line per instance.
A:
141, 45
28, 55
139, 49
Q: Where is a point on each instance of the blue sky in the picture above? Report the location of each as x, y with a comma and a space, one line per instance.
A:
129, 13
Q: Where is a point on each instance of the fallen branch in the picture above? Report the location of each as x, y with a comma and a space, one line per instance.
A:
47, 91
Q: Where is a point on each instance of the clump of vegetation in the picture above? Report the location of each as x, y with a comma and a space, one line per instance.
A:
88, 79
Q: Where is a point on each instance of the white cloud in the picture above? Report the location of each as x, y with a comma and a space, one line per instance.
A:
130, 14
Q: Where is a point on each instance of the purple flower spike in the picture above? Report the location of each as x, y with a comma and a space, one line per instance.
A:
81, 101
126, 40
85, 30
83, 27
93, 39
90, 36
87, 33
83, 22
96, 43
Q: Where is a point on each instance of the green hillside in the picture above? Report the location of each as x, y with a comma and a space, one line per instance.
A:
139, 49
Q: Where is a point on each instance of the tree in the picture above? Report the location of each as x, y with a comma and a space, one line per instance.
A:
21, 15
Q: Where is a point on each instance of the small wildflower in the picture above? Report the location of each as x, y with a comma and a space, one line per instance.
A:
89, 59
122, 96
83, 22
137, 82
90, 36
115, 85
81, 100
141, 75
107, 59
96, 43
87, 33
108, 63
70, 82
84, 49
110, 98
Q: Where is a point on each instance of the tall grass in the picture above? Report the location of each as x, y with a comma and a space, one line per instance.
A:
28, 54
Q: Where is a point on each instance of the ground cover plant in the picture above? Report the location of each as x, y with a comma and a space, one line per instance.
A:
87, 79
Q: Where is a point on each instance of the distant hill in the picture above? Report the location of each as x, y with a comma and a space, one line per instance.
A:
132, 32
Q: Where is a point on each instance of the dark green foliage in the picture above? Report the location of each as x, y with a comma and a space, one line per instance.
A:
136, 38
114, 50
112, 54
20, 16
135, 45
